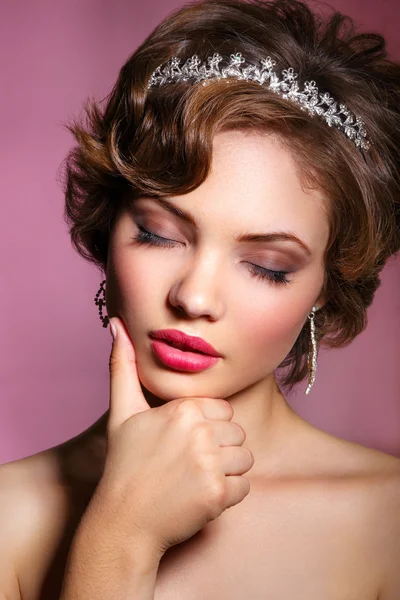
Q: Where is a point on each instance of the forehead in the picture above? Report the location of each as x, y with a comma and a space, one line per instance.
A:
254, 184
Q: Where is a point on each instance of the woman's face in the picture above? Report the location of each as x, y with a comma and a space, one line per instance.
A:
203, 282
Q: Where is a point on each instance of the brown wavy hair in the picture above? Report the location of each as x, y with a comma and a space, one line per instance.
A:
158, 142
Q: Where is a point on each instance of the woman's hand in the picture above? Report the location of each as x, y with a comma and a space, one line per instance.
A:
170, 469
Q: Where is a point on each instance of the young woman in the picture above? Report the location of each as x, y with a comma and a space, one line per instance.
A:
240, 193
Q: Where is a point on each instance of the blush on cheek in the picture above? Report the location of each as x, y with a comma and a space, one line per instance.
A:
136, 279
272, 334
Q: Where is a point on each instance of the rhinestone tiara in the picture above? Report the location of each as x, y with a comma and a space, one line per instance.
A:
309, 98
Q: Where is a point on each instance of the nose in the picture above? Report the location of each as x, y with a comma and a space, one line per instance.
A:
197, 291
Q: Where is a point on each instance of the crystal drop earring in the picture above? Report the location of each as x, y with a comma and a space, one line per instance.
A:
312, 354
100, 302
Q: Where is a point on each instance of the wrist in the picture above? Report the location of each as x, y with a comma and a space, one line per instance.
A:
101, 529
100, 564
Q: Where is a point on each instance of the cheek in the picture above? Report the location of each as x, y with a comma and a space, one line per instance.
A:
264, 329
132, 283
272, 326
271, 330
137, 282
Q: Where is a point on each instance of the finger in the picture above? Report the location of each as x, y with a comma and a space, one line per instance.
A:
237, 488
126, 396
215, 408
228, 433
236, 460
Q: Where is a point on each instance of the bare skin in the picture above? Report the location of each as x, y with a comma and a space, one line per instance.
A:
326, 518
322, 518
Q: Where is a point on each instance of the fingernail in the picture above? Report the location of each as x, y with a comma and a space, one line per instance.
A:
113, 330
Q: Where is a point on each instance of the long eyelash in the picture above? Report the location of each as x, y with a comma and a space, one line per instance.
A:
274, 276
146, 237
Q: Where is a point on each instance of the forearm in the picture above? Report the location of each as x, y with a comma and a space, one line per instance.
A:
100, 567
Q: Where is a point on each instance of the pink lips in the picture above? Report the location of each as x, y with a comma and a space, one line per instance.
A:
187, 342
183, 359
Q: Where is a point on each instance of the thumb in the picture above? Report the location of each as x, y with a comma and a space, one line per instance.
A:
126, 396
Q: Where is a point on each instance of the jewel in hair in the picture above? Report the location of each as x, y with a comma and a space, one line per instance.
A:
309, 98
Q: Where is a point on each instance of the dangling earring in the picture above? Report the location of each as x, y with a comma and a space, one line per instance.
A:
100, 302
312, 355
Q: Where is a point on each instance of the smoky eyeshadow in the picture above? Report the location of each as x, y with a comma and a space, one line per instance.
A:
290, 260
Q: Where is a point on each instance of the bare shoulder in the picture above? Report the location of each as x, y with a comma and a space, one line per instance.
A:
384, 531
382, 500
330, 454
379, 477
375, 472
42, 499
34, 513
370, 480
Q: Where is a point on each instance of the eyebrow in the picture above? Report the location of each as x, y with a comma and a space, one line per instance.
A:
271, 236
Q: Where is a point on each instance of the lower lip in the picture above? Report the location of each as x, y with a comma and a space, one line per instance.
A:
181, 359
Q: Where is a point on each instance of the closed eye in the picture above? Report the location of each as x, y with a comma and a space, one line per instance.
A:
146, 237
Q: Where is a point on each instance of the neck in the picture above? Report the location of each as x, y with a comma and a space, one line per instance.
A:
269, 422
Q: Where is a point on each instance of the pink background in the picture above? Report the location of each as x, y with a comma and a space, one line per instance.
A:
54, 352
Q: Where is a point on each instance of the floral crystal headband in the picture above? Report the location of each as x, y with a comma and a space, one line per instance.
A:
309, 98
